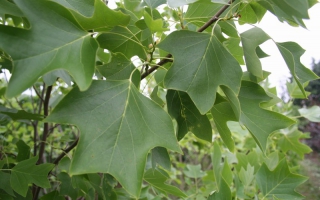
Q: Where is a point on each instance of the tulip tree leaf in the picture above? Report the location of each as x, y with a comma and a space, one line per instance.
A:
280, 182
55, 41
223, 193
292, 12
118, 68
102, 18
200, 12
177, 3
291, 141
27, 172
23, 151
251, 39
125, 40
291, 53
8, 8
154, 3
84, 7
312, 114
181, 107
112, 126
260, 122
157, 180
19, 114
201, 64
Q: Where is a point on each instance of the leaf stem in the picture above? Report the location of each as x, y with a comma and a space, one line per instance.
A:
201, 29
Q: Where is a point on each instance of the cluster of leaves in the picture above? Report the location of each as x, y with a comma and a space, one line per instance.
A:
200, 100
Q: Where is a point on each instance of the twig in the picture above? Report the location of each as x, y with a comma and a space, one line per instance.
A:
67, 150
201, 29
46, 125
38, 94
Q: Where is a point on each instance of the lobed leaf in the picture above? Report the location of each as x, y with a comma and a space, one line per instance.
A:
280, 182
189, 119
118, 128
27, 172
55, 41
201, 64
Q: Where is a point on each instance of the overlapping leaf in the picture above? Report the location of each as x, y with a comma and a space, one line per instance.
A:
312, 114
8, 8
102, 18
201, 64
118, 68
280, 182
181, 107
157, 180
200, 12
27, 172
84, 7
251, 39
291, 53
55, 41
290, 11
261, 123
291, 142
118, 128
177, 3
125, 40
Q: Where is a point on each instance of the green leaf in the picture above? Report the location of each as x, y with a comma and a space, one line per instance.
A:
220, 1
247, 14
200, 12
177, 3
247, 176
27, 172
154, 3
289, 11
55, 41
312, 114
4, 180
20, 114
102, 18
66, 187
291, 53
216, 163
84, 7
157, 180
294, 90
223, 194
253, 159
222, 113
201, 64
291, 141
261, 123
23, 151
280, 182
160, 156
194, 171
54, 195
251, 39
118, 68
111, 129
155, 97
9, 8
155, 25
189, 119
51, 77
125, 40
232, 44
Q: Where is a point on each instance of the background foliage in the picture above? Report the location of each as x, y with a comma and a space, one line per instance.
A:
152, 100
